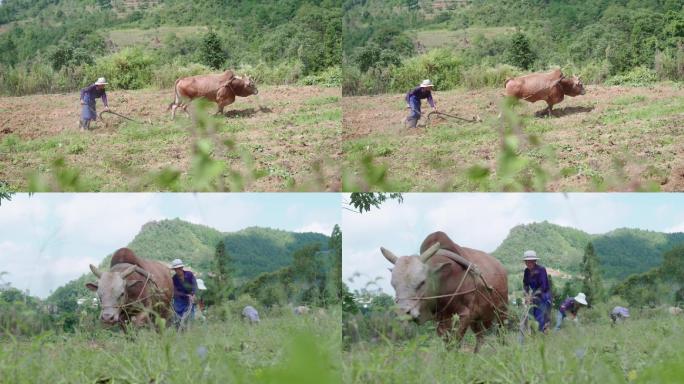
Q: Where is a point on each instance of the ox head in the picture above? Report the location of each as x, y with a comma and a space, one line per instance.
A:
572, 86
412, 279
111, 289
250, 86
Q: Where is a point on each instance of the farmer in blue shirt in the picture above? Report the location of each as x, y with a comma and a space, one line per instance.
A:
413, 98
537, 289
184, 289
88, 96
571, 305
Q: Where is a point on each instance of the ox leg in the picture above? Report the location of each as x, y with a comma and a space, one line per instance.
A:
549, 111
173, 111
444, 329
185, 109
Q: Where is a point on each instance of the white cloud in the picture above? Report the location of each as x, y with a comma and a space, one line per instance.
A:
318, 227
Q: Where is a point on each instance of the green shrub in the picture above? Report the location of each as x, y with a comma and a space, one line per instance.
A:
636, 77
669, 65
442, 66
130, 68
479, 77
330, 77
166, 75
280, 74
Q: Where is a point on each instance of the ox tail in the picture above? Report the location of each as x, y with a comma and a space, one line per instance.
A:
176, 100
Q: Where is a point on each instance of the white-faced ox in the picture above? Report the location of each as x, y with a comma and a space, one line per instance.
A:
134, 289
438, 283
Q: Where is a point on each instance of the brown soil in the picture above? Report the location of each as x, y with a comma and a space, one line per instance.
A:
278, 123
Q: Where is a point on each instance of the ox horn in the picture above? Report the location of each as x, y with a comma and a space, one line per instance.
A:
96, 271
425, 256
128, 271
388, 255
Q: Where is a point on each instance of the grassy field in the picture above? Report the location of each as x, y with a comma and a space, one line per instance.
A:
612, 138
122, 38
457, 39
637, 351
286, 138
282, 349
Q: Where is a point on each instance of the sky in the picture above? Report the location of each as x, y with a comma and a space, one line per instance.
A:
483, 220
49, 239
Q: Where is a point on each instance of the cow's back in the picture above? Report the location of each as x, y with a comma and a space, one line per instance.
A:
202, 85
533, 87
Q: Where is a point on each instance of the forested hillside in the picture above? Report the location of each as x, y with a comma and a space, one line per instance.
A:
391, 45
60, 45
621, 252
252, 251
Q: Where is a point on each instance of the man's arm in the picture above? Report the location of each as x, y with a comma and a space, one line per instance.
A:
104, 100
431, 102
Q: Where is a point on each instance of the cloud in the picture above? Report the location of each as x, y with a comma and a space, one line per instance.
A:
318, 227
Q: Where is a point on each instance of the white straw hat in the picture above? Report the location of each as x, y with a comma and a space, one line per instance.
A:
200, 285
101, 81
530, 255
177, 263
426, 83
581, 298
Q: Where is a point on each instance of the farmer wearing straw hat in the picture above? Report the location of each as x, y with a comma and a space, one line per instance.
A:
619, 314
423, 91
184, 289
537, 289
570, 305
88, 96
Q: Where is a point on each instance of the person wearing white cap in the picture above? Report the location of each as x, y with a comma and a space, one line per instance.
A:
184, 290
619, 314
413, 97
571, 305
88, 96
537, 289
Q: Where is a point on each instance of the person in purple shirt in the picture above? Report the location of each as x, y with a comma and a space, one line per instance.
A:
571, 306
184, 290
413, 98
619, 314
88, 96
537, 289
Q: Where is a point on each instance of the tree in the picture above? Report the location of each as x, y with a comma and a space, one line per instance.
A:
519, 53
363, 201
211, 53
221, 285
591, 285
335, 280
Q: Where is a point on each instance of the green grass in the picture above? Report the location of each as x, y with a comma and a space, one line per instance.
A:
281, 349
636, 351
127, 37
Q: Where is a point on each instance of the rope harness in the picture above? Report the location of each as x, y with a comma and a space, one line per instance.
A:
139, 299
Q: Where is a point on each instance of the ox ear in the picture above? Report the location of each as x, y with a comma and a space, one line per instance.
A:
437, 269
391, 257
128, 271
92, 286
95, 271
425, 256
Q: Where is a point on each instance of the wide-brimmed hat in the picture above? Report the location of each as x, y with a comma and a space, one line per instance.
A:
101, 81
177, 263
530, 255
581, 298
200, 285
426, 83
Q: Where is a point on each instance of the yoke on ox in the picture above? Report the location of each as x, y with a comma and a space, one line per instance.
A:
221, 89
447, 279
133, 290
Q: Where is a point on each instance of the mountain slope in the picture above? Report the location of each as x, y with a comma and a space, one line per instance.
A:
621, 252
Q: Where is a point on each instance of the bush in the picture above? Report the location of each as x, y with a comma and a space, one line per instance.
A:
442, 66
166, 75
670, 65
636, 77
130, 68
479, 77
331, 77
281, 74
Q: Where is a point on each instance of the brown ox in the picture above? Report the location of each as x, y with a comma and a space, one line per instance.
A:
438, 284
134, 289
551, 87
221, 89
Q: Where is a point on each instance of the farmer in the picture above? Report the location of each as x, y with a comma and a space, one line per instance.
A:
537, 289
570, 305
88, 96
423, 91
619, 314
184, 289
